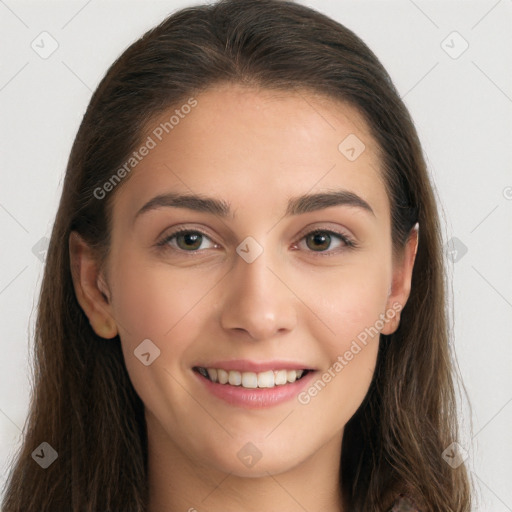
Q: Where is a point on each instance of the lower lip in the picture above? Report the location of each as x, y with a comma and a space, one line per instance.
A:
257, 398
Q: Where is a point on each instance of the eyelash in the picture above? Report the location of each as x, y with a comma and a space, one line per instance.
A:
348, 242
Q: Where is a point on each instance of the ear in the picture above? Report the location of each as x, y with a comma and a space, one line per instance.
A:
401, 281
90, 287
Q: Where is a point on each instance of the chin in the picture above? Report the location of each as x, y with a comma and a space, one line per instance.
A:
246, 459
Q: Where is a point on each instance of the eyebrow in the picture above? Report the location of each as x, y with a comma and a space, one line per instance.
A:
296, 205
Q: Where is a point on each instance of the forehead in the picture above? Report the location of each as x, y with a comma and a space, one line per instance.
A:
257, 146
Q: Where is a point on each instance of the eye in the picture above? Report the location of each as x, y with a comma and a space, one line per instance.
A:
187, 240
318, 240
321, 240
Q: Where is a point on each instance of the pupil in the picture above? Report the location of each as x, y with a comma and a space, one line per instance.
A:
189, 240
321, 241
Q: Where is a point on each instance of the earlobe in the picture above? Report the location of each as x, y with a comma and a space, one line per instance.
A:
401, 282
90, 287
107, 329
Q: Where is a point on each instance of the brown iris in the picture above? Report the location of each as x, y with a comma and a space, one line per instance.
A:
189, 240
318, 241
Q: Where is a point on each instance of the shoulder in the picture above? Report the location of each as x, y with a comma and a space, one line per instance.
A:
404, 504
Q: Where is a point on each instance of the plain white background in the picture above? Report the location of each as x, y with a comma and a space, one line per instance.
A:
461, 102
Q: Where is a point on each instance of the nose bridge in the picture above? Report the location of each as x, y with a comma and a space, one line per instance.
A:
257, 301
256, 282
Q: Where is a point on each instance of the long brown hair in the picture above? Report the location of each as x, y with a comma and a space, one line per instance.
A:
83, 403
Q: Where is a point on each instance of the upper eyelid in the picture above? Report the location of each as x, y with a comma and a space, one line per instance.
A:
165, 239
309, 230
182, 228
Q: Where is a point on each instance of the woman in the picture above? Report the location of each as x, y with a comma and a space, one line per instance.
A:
243, 303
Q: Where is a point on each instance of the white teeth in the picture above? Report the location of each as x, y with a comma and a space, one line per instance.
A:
251, 380
266, 379
222, 376
235, 378
280, 378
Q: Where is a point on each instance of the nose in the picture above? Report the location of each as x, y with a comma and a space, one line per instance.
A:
258, 301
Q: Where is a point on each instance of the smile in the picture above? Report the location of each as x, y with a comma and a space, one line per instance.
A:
251, 380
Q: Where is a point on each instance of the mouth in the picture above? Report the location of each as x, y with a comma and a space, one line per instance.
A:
252, 380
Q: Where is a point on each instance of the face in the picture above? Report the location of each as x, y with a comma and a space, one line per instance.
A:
266, 261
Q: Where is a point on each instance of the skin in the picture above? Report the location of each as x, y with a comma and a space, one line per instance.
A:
254, 149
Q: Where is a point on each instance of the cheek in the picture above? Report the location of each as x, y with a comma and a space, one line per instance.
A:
351, 303
349, 300
157, 303
151, 300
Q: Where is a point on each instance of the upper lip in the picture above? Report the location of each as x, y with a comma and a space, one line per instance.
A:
245, 365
